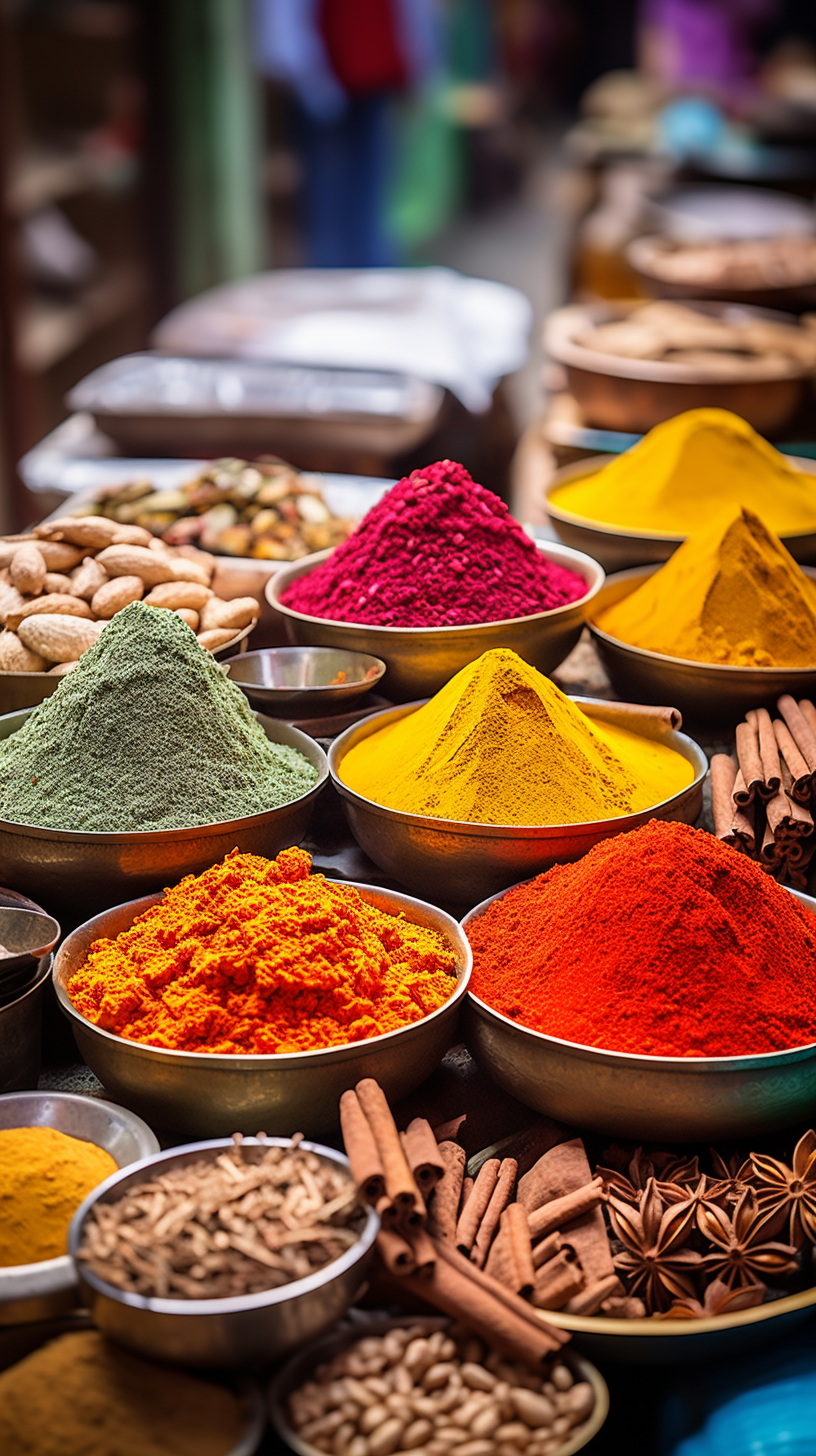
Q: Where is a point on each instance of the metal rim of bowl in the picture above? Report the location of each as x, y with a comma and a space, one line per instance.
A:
599, 1325
217, 654
560, 345
233, 1304
375, 721
259, 688
306, 746
331, 1344
456, 940
594, 464
43, 972
584, 566
690, 1065
638, 575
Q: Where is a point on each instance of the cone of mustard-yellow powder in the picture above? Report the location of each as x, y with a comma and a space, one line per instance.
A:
730, 594
680, 475
499, 744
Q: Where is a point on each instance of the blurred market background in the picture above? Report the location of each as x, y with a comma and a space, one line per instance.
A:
153, 152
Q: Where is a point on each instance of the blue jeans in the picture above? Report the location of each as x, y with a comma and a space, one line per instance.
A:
346, 163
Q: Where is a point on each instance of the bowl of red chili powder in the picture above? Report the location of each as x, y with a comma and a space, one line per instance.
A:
661, 988
434, 575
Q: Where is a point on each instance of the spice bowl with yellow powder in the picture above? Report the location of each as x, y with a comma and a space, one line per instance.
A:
253, 995
55, 1147
500, 776
726, 625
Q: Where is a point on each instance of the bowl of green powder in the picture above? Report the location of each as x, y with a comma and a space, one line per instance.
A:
146, 764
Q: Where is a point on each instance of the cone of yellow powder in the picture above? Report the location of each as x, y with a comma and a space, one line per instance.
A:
730, 594
499, 744
680, 475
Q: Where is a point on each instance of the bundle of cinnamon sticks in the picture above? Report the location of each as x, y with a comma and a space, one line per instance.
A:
763, 796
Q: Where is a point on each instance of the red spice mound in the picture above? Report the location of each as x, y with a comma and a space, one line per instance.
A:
437, 551
663, 942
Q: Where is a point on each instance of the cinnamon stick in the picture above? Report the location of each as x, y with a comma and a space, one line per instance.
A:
467, 1189
555, 1283
424, 1251
803, 734
395, 1252
387, 1210
473, 1210
443, 1209
562, 1170
590, 1299
808, 712
639, 718
449, 1131
802, 779
723, 775
361, 1149
399, 1180
499, 1200
481, 1280
750, 765
491, 1319
510, 1260
547, 1249
526, 1146
768, 750
560, 1211
422, 1154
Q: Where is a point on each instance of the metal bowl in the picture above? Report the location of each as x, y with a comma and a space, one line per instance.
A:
201, 1093
20, 1033
39, 1291
466, 862
705, 692
302, 680
420, 660
72, 867
619, 547
644, 252
302, 1366
643, 1098
635, 394
222, 1332
20, 690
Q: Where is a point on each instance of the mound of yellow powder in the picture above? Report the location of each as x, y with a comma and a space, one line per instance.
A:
499, 744
731, 593
686, 470
44, 1176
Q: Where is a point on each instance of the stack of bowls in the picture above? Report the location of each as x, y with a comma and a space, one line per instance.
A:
30, 935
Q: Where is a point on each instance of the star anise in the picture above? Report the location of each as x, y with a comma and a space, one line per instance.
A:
730, 1179
788, 1195
641, 1169
718, 1299
696, 1201
654, 1262
742, 1253
669, 1168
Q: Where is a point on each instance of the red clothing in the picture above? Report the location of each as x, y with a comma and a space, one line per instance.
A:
363, 45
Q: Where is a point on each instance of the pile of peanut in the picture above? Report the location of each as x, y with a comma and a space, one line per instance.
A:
63, 583
437, 1393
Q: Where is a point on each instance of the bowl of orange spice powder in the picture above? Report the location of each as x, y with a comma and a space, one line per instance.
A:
251, 996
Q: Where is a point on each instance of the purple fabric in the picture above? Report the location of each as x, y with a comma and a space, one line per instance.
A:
710, 39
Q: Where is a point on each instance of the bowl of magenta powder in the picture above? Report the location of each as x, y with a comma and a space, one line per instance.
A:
661, 988
435, 574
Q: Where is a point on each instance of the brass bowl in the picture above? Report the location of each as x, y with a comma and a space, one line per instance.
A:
203, 1094
235, 1331
302, 1366
420, 660
619, 547
300, 682
66, 866
705, 692
466, 862
642, 1098
633, 395
40, 1291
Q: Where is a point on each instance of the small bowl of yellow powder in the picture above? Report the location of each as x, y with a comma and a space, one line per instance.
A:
55, 1148
500, 775
727, 624
636, 508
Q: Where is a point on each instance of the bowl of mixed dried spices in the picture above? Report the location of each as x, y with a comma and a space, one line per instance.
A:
144, 765
663, 987
254, 994
226, 1252
435, 574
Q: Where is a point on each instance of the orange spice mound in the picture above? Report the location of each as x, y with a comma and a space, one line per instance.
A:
259, 955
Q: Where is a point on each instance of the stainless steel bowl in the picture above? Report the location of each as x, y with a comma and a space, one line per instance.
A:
420, 660
302, 1366
645, 1098
202, 1093
39, 1291
302, 680
705, 692
618, 547
466, 862
20, 1033
67, 866
222, 1332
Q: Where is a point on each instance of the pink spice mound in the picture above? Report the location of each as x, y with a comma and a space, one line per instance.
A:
437, 551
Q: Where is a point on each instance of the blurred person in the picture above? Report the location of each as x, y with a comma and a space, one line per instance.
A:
346, 61
703, 43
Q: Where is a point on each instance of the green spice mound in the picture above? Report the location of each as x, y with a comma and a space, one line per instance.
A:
145, 733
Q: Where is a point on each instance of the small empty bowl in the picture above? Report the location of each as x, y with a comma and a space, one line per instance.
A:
305, 679
26, 936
